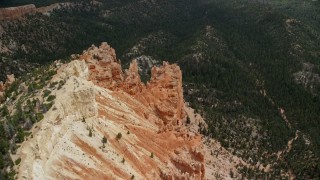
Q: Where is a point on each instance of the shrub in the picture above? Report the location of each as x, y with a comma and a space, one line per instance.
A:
5, 110
119, 136
46, 93
51, 98
53, 84
61, 83
39, 116
17, 162
104, 140
90, 133
20, 136
188, 120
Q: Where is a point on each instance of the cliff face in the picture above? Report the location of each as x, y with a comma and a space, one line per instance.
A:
142, 125
163, 93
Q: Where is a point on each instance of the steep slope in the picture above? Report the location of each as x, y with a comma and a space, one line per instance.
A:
250, 68
144, 134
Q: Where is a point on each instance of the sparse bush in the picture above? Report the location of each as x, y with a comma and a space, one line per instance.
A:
5, 110
90, 133
188, 120
51, 98
46, 93
39, 116
17, 162
61, 83
119, 136
53, 84
104, 140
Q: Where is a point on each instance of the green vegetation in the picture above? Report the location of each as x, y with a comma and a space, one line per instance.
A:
51, 98
17, 162
19, 112
119, 136
90, 132
46, 93
188, 120
239, 60
104, 140
12, 3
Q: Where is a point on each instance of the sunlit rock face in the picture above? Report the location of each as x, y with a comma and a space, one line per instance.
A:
141, 124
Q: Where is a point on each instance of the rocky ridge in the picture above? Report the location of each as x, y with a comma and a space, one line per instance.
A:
142, 125
19, 11
104, 123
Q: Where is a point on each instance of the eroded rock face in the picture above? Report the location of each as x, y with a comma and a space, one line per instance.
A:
163, 93
105, 69
99, 100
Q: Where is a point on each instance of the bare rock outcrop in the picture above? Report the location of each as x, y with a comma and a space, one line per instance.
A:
142, 124
163, 93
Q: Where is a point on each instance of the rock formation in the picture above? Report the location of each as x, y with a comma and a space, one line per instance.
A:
15, 12
19, 11
163, 93
142, 124
104, 123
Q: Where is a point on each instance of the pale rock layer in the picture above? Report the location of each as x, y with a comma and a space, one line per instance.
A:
11, 13
99, 97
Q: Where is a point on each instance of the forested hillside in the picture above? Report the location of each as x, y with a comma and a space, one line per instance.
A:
251, 68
